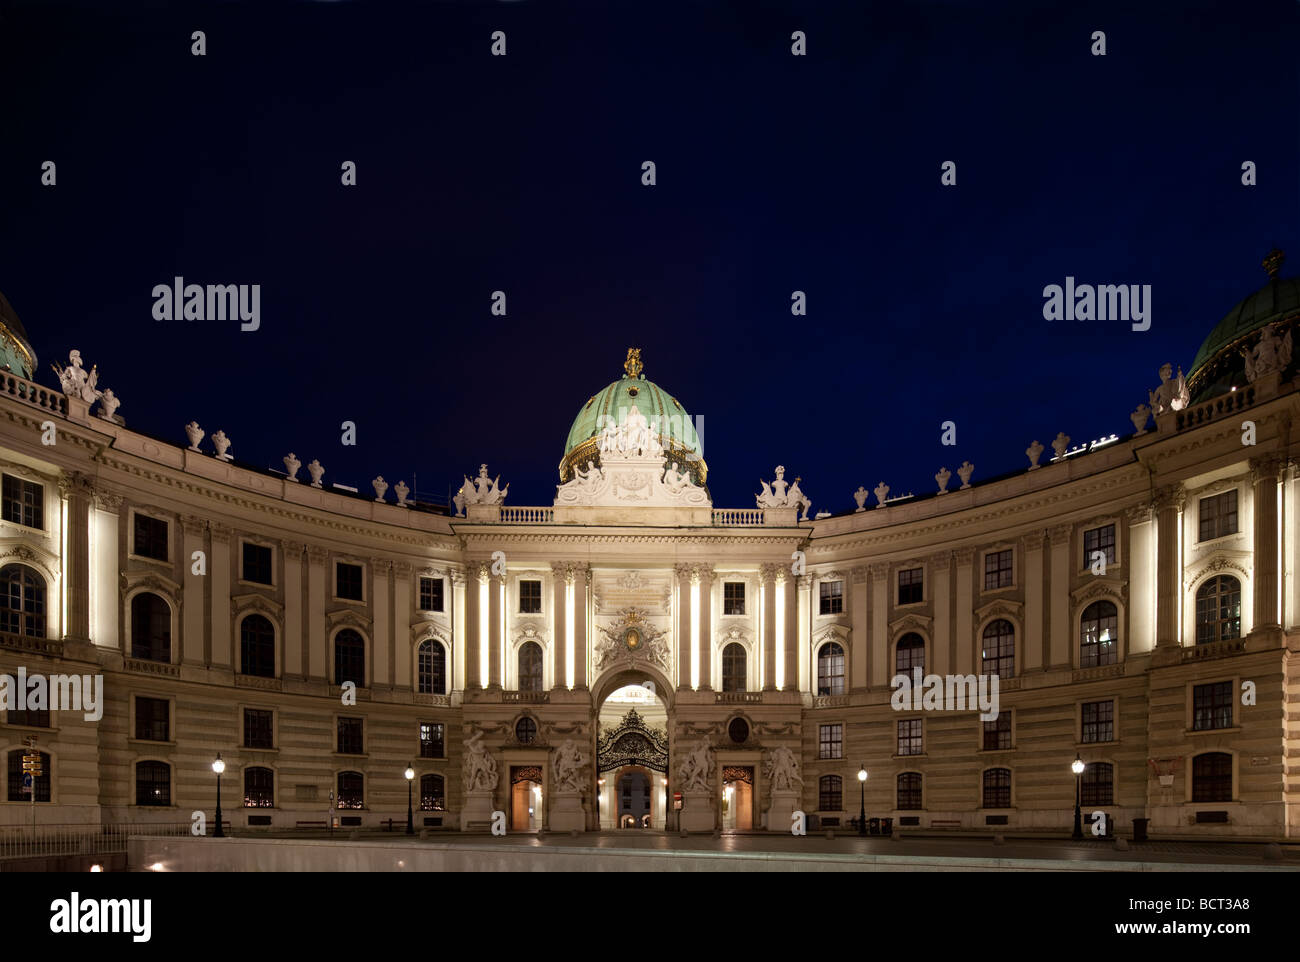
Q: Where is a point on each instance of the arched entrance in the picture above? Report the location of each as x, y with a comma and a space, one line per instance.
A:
632, 759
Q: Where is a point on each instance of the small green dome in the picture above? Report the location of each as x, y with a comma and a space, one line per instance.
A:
15, 350
661, 409
1218, 365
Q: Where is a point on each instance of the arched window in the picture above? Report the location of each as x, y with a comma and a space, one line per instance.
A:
1000, 649
153, 783
830, 669
1097, 786
1212, 777
530, 666
1100, 637
910, 654
909, 791
830, 793
151, 628
351, 790
1218, 610
349, 658
257, 647
433, 668
22, 601
733, 667
433, 796
997, 788
525, 731
41, 782
259, 788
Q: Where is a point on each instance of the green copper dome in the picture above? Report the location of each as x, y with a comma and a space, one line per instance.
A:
661, 409
15, 350
1218, 365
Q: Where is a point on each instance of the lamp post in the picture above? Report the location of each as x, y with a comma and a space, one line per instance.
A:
410, 823
218, 766
862, 798
1077, 767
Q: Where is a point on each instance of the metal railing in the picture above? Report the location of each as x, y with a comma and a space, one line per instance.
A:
24, 841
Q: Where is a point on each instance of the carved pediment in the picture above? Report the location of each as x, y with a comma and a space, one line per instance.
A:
1098, 588
428, 628
836, 633
529, 631
131, 580
911, 622
241, 604
25, 554
1000, 608
1237, 565
349, 617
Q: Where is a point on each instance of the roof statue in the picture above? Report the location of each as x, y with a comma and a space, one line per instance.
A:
1269, 355
482, 490
1171, 395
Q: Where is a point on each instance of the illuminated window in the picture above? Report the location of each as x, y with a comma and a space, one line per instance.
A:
830, 669
433, 668
22, 601
997, 570
530, 597
1097, 784
351, 790
733, 667
830, 741
832, 597
1218, 516
909, 654
1000, 649
909, 736
433, 794
153, 783
733, 597
1098, 721
1218, 610
431, 741
1100, 640
530, 666
24, 502
431, 594
1212, 706
259, 788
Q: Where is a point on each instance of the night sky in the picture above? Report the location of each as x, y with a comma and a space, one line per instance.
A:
523, 174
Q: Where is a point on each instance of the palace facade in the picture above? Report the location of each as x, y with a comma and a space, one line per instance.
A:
633, 657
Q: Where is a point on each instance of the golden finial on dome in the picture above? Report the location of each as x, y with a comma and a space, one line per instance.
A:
1273, 263
633, 363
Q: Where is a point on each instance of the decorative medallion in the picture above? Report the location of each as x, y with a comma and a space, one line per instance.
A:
632, 742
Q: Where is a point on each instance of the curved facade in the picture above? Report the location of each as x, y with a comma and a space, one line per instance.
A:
584, 664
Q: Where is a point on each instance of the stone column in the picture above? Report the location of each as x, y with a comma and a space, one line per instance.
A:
1032, 644
581, 608
403, 651
769, 575
804, 638
291, 659
1263, 475
219, 581
496, 616
560, 582
791, 649
477, 576
381, 610
190, 644
859, 629
1139, 561
1169, 503
882, 655
682, 626
706, 627
317, 644
79, 490
963, 610
460, 628
940, 589
106, 572
1064, 639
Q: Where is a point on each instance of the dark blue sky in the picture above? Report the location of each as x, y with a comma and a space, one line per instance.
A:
775, 173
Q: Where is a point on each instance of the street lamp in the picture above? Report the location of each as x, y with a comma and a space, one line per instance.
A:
1077, 767
862, 796
410, 777
218, 766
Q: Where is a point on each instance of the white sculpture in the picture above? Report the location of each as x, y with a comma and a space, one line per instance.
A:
480, 768
775, 495
964, 472
782, 770
291, 466
1271, 353
633, 469
672, 479
696, 767
380, 486
1033, 453
1061, 444
797, 498
76, 382
882, 492
570, 761
401, 490
222, 444
942, 479
635, 438
482, 490
194, 433
108, 403
1171, 395
1139, 417
860, 496
316, 471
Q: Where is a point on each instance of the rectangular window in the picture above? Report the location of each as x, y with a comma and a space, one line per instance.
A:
431, 594
832, 597
1099, 539
1218, 515
24, 502
997, 733
530, 597
830, 793
31, 717
1098, 721
431, 743
909, 736
257, 563
152, 719
997, 570
350, 736
831, 741
910, 586
258, 731
349, 582
1212, 706
733, 598
150, 537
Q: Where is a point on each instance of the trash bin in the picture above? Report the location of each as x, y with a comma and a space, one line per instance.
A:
873, 826
886, 826
1140, 826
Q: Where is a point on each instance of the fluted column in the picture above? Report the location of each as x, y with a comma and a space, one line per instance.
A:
706, 627
559, 624
1263, 475
581, 607
769, 575
682, 626
79, 490
496, 614
1169, 564
790, 640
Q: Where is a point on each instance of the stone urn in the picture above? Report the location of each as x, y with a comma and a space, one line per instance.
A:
860, 496
194, 433
401, 490
108, 404
1061, 444
316, 472
882, 492
1033, 453
222, 444
291, 466
380, 486
942, 479
964, 472
1140, 418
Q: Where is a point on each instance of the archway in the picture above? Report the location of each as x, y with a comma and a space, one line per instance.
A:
632, 757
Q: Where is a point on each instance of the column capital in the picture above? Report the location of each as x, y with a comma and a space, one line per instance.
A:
1170, 496
221, 533
1266, 467
964, 556
879, 570
705, 574
859, 574
581, 569
1137, 514
108, 501
804, 582
457, 576
1059, 534
402, 569
941, 561
560, 569
1033, 541
683, 572
193, 525
769, 572
77, 484
317, 555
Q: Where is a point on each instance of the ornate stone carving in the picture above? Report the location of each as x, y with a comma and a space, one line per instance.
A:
879, 570
482, 490
882, 492
1171, 395
380, 486
632, 742
631, 580
782, 770
109, 403
781, 495
193, 525
1269, 355
964, 472
1033, 541
108, 501
316, 471
76, 381
942, 479
1059, 534
1137, 514
293, 551
860, 496
941, 561
1265, 468
768, 572
570, 762
479, 769
457, 577
1140, 416
291, 466
402, 569
1170, 496
317, 555
696, 768
1061, 444
631, 639
1033, 453
859, 574
220, 533
222, 444
964, 556
195, 434
402, 491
